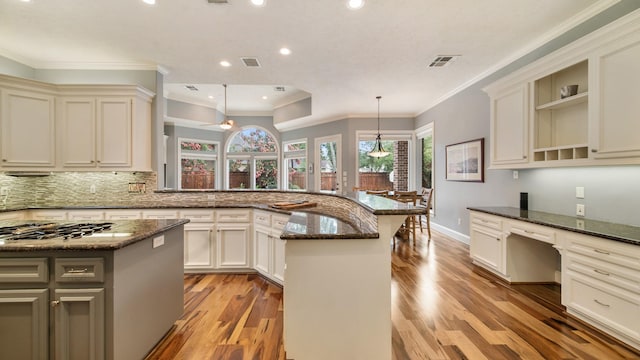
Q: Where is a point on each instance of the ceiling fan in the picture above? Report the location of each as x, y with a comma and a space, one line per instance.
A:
225, 124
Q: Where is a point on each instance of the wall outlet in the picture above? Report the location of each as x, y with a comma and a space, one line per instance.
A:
4, 191
580, 224
515, 174
92, 189
580, 209
580, 192
459, 221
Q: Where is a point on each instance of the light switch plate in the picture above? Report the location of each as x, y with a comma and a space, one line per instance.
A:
158, 241
580, 192
580, 209
515, 174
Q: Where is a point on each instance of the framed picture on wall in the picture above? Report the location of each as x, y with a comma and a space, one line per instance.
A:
465, 161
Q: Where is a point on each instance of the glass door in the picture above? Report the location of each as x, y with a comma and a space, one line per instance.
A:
328, 161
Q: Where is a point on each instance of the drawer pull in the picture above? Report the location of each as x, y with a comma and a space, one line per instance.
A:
77, 271
601, 272
601, 303
602, 252
55, 303
498, 238
281, 223
529, 232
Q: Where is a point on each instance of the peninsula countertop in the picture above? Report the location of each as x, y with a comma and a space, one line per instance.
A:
612, 231
122, 233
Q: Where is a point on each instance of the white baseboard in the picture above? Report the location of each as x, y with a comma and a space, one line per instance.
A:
451, 233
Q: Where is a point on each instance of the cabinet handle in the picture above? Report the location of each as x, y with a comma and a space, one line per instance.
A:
524, 156
92, 161
498, 239
601, 303
55, 303
601, 272
78, 271
594, 150
5, 160
602, 252
529, 232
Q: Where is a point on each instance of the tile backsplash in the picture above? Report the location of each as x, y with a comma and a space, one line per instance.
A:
75, 187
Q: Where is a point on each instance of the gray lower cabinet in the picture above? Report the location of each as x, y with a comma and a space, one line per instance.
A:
24, 324
79, 324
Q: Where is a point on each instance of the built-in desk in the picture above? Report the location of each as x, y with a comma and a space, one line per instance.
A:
597, 263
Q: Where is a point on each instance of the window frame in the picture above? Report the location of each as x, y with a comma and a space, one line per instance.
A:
252, 157
206, 156
298, 154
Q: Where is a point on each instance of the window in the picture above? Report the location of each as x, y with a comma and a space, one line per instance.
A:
252, 160
198, 163
295, 158
392, 172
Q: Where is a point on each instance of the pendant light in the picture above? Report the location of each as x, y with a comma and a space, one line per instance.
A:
226, 124
378, 151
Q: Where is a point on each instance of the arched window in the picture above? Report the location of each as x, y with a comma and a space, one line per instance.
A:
252, 160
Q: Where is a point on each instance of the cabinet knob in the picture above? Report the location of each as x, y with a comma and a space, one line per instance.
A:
5, 160
498, 239
55, 303
524, 156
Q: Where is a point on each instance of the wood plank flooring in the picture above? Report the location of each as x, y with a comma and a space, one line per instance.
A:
441, 309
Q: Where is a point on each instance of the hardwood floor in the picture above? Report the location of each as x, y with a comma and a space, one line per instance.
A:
441, 309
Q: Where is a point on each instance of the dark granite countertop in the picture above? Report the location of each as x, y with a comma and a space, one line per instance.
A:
121, 234
618, 232
306, 226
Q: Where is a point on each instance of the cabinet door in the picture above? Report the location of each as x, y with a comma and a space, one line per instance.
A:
28, 137
77, 131
614, 125
233, 246
278, 259
199, 246
24, 324
114, 132
262, 249
509, 126
486, 247
79, 324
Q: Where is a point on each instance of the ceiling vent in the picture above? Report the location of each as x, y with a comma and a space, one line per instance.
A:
191, 87
278, 88
250, 62
443, 60
218, 1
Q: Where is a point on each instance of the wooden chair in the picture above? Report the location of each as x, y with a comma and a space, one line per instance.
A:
378, 192
409, 197
426, 201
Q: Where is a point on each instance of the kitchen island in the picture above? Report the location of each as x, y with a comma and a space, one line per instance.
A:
108, 295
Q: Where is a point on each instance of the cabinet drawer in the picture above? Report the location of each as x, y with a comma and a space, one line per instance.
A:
489, 221
198, 215
85, 215
160, 214
604, 250
28, 270
72, 270
233, 216
613, 274
278, 222
123, 215
540, 233
607, 305
262, 218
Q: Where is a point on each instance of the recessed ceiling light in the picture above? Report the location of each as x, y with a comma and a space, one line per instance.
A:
355, 4
225, 63
150, 2
258, 2
25, 0
210, 96
285, 51
264, 97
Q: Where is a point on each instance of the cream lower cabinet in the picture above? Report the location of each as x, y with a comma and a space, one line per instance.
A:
268, 248
487, 247
199, 240
601, 284
233, 246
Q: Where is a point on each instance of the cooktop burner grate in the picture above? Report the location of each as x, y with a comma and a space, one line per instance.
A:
42, 231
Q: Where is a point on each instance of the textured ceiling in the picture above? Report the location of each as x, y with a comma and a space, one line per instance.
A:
342, 57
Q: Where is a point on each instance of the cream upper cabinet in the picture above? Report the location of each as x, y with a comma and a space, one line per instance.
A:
74, 127
110, 130
614, 125
509, 126
536, 124
28, 129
